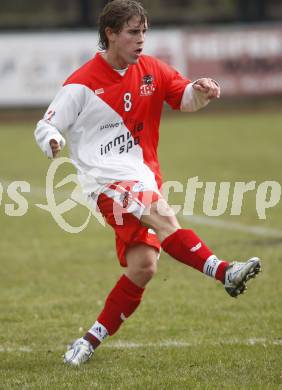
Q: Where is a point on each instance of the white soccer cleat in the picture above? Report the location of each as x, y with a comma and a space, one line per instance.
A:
78, 352
237, 274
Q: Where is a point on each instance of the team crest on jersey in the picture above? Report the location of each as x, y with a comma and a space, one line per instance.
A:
147, 87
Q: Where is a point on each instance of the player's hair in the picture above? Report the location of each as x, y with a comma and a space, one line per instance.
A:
115, 14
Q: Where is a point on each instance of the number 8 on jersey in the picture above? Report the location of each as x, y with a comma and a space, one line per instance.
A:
127, 101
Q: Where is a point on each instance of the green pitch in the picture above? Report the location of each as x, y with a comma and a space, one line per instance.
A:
188, 333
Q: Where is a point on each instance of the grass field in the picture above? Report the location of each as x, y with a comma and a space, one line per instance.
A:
188, 333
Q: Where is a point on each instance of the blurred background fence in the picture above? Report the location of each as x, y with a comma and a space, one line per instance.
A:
30, 14
237, 42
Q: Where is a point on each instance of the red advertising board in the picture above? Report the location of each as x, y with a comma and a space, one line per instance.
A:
245, 61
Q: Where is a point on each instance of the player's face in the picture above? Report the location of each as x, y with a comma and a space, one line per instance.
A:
125, 47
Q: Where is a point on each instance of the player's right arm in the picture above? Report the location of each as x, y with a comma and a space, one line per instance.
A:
59, 117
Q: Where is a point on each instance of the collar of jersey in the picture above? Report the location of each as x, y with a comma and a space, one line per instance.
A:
122, 72
113, 72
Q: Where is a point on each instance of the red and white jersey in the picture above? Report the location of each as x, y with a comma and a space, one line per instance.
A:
111, 122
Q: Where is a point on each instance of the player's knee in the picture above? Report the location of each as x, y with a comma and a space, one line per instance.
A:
161, 218
149, 271
142, 264
148, 267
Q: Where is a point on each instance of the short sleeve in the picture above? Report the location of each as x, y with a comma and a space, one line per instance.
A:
175, 85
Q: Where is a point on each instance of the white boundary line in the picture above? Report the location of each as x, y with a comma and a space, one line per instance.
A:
221, 224
162, 344
215, 222
184, 344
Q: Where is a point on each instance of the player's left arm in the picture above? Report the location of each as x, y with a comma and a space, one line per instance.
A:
185, 95
198, 94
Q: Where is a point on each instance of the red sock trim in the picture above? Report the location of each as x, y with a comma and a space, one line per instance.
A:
128, 285
167, 241
92, 340
220, 272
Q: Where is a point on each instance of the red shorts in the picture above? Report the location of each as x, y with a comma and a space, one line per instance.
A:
122, 204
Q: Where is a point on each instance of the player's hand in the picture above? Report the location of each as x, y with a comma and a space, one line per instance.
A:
208, 86
55, 147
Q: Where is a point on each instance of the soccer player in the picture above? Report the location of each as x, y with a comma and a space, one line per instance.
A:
109, 111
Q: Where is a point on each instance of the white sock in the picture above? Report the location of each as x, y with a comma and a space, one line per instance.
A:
99, 331
211, 266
